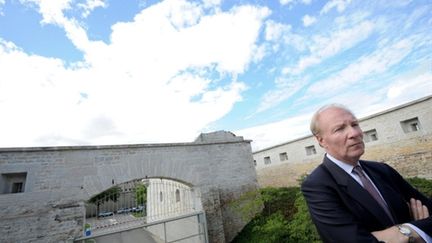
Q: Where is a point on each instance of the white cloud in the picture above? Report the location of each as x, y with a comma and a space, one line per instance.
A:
211, 3
407, 87
291, 2
417, 86
259, 53
90, 5
327, 46
416, 15
308, 20
274, 31
51, 11
278, 132
285, 88
378, 62
2, 2
321, 48
286, 2
341, 40
340, 5
183, 14
279, 34
37, 93
151, 83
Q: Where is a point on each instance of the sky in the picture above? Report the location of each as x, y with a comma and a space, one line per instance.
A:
95, 72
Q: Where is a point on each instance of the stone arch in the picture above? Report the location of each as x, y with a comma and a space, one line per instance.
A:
126, 204
194, 190
219, 165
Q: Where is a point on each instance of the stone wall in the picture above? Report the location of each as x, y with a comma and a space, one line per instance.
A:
60, 179
409, 162
412, 157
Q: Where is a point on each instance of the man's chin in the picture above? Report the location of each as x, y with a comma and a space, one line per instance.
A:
357, 153
357, 150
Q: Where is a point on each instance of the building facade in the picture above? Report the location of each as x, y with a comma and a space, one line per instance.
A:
168, 198
400, 136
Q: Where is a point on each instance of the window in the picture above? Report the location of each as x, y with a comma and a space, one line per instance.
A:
283, 156
370, 135
17, 187
12, 182
161, 196
177, 195
255, 163
310, 150
411, 125
267, 160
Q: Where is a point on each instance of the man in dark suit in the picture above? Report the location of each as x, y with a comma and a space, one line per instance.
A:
352, 200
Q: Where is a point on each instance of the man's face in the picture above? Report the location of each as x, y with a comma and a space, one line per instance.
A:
340, 135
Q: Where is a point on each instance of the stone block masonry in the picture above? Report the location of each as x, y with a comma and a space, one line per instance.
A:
57, 181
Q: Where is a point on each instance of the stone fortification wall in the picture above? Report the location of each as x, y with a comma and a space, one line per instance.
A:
409, 161
412, 157
58, 180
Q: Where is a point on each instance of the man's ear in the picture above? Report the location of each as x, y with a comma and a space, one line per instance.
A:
320, 140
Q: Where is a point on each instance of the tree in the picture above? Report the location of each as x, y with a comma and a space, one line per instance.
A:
141, 194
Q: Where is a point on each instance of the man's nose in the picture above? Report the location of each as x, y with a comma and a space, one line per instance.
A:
355, 131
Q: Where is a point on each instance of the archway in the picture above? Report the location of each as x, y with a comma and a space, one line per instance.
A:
167, 209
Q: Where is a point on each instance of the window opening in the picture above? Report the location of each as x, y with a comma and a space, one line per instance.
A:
370, 135
177, 195
310, 150
411, 125
13, 182
283, 156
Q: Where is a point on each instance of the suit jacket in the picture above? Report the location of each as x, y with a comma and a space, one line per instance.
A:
343, 211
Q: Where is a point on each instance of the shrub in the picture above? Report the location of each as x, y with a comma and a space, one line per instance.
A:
265, 229
279, 199
301, 228
274, 229
273, 225
421, 184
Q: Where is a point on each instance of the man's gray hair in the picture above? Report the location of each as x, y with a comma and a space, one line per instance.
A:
314, 126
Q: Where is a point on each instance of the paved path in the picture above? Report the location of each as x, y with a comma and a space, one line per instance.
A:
125, 228
131, 236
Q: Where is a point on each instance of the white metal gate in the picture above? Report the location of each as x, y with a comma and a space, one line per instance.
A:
188, 228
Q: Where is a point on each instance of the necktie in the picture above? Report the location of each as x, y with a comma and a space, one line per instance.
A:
371, 189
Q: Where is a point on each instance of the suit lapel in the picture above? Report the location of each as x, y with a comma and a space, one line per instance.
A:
357, 192
389, 195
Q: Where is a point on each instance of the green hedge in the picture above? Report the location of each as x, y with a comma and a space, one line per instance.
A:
285, 217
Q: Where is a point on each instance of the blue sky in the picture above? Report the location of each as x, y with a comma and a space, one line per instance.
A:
95, 72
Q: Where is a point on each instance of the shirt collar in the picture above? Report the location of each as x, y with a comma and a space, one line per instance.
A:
345, 166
